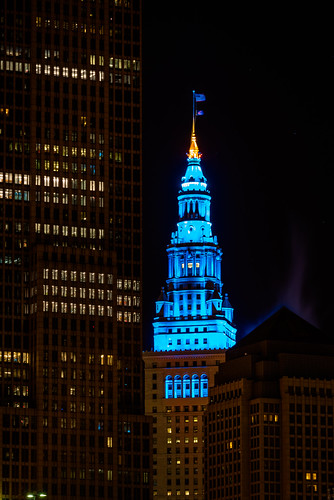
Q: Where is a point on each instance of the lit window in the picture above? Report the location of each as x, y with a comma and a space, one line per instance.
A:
204, 385
177, 387
136, 65
195, 386
118, 63
186, 386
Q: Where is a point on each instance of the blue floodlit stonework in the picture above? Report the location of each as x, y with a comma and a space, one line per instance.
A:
192, 312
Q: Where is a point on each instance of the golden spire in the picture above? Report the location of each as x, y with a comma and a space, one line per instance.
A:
193, 150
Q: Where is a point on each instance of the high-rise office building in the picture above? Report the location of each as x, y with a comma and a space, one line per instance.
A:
269, 424
71, 379
192, 329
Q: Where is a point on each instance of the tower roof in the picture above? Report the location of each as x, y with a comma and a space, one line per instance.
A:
283, 345
284, 325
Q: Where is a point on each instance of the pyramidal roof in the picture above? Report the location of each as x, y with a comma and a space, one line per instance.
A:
283, 345
286, 326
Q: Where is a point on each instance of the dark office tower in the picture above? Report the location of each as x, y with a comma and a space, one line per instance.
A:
269, 424
71, 401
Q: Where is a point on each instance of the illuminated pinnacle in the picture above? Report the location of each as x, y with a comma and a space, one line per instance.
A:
193, 150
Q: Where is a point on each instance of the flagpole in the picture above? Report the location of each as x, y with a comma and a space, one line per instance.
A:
194, 113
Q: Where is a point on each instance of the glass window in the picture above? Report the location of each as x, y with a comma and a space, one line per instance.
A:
169, 387
177, 387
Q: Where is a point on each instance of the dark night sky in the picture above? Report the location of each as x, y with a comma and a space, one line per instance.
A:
267, 139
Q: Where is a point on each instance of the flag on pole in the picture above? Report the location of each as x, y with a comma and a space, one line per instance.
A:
197, 112
199, 97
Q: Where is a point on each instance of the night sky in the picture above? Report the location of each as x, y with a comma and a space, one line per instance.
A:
267, 139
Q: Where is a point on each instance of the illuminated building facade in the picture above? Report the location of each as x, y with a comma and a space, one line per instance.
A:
269, 423
192, 329
71, 376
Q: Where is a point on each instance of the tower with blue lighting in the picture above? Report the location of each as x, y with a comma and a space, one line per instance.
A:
192, 312
193, 326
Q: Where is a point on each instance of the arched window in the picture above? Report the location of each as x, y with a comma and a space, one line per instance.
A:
186, 386
204, 385
195, 386
168, 387
177, 386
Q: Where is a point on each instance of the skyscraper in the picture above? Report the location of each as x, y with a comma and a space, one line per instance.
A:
192, 329
71, 379
269, 424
